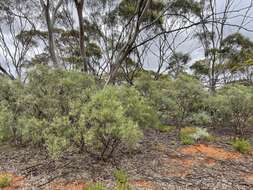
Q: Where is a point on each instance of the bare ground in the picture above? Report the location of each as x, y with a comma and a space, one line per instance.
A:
160, 164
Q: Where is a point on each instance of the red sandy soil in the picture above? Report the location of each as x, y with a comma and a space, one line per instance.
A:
210, 152
182, 166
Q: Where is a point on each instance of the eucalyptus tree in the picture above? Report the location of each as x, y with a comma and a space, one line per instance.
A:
50, 9
14, 50
125, 27
238, 51
79, 4
211, 35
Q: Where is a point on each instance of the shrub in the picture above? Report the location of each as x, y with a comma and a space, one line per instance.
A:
57, 135
11, 107
53, 102
185, 135
51, 93
157, 92
190, 135
121, 180
232, 106
186, 140
165, 128
108, 122
188, 95
5, 180
241, 145
218, 110
31, 129
96, 186
200, 119
174, 100
240, 103
6, 123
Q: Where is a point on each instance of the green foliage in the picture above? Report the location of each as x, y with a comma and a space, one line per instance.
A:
31, 129
11, 107
200, 68
165, 128
114, 117
185, 135
157, 92
190, 135
241, 145
53, 102
238, 51
50, 92
200, 119
57, 136
232, 106
6, 123
127, 8
186, 140
188, 96
174, 100
96, 186
121, 180
186, 6
177, 63
45, 111
5, 180
58, 110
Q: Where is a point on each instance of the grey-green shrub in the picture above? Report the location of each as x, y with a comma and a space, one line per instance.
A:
191, 135
5, 180
232, 106
241, 145
188, 94
113, 118
121, 180
11, 108
174, 100
96, 186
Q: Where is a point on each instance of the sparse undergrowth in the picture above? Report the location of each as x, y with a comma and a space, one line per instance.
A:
5, 180
165, 128
96, 186
241, 145
122, 180
191, 135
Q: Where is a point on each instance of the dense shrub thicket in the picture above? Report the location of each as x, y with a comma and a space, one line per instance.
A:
59, 110
178, 102
185, 102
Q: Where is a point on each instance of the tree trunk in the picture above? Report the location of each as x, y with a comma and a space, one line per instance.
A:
51, 39
50, 20
79, 7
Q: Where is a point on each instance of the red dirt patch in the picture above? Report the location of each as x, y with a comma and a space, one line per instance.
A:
17, 182
209, 162
145, 184
248, 178
210, 152
76, 185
